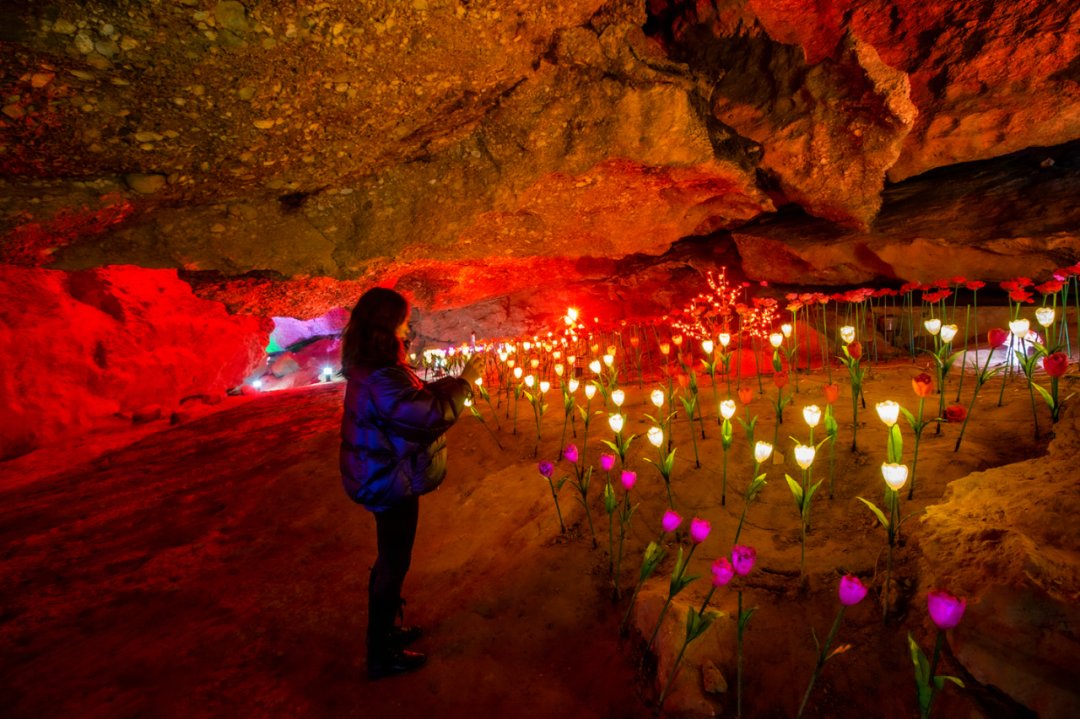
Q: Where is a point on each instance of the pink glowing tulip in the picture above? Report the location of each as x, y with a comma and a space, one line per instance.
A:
852, 590
628, 479
671, 521
699, 530
945, 609
743, 557
607, 461
571, 453
546, 468
722, 572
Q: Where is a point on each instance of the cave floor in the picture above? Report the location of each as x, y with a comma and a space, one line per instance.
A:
217, 568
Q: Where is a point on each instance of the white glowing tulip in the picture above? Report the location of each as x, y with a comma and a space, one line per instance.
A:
786, 329
517, 373
727, 408
468, 401
479, 381
529, 381
544, 386
1045, 316
616, 422
776, 339
571, 316
609, 360
559, 369
707, 347
572, 385
804, 455
595, 366
895, 475
724, 338
948, 333
847, 333
590, 391
888, 411
656, 436
657, 398
571, 360
811, 414
556, 355
618, 397
762, 451
534, 363
933, 325
1020, 328
502, 356
526, 346
257, 384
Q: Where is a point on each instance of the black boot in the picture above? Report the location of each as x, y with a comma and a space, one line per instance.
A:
391, 661
402, 635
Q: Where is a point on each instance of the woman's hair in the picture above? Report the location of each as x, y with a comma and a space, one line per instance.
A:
370, 339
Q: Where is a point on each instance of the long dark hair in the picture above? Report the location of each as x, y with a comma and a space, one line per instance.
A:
370, 340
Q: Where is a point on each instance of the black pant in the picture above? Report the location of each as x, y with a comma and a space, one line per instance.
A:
396, 531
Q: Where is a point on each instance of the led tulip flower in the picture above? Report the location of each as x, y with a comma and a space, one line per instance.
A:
607, 463
1055, 365
627, 479
547, 469
710, 366
666, 460
895, 476
657, 398
536, 399
933, 326
569, 389
618, 397
727, 411
802, 494
852, 354
889, 412
762, 452
945, 611
996, 338
1045, 316
851, 591
699, 531
621, 445
1020, 329
699, 620
948, 333
943, 359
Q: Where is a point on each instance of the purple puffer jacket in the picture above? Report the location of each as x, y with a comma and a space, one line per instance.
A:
392, 443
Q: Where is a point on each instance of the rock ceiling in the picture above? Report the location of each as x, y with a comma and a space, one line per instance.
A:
286, 155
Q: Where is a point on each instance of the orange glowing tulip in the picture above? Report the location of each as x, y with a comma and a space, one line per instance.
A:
923, 384
832, 391
665, 349
745, 395
780, 379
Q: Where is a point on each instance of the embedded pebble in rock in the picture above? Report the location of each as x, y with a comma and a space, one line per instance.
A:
146, 184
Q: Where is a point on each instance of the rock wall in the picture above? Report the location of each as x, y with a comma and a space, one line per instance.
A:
86, 346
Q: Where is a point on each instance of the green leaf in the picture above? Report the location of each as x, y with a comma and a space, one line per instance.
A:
611, 445
796, 491
810, 492
1044, 394
744, 618
940, 680
877, 512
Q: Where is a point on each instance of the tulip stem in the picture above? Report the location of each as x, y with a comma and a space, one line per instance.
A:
933, 671
823, 656
918, 436
738, 659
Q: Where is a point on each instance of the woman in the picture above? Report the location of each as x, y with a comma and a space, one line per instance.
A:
393, 450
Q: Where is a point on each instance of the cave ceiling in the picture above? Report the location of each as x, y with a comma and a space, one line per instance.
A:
286, 155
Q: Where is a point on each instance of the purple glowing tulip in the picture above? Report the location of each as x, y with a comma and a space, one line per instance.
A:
852, 590
722, 572
628, 479
742, 557
546, 468
945, 609
671, 521
607, 461
571, 453
699, 530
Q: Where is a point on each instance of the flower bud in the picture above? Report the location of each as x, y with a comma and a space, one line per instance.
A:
888, 411
895, 475
547, 468
804, 455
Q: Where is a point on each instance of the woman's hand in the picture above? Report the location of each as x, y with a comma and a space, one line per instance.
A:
473, 369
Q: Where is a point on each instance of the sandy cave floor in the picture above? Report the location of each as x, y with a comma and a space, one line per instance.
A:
217, 568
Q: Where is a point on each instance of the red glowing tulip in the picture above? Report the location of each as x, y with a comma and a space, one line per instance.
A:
1050, 287
745, 395
851, 590
1021, 296
635, 341
945, 609
923, 384
997, 337
975, 285
742, 558
955, 413
722, 572
855, 350
1056, 364
780, 379
832, 391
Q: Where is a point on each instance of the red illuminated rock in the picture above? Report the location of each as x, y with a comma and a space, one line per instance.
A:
84, 346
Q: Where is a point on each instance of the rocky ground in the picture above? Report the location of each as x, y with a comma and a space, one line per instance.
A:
216, 567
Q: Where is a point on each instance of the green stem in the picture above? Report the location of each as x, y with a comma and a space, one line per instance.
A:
822, 658
738, 660
933, 672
